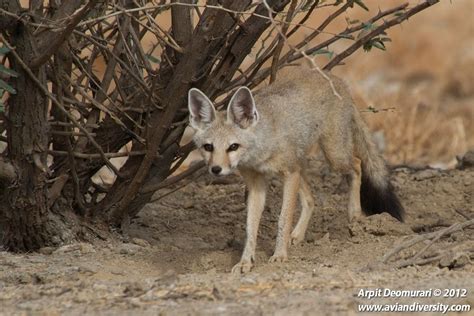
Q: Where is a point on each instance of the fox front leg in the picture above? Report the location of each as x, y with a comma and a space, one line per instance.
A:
290, 195
255, 204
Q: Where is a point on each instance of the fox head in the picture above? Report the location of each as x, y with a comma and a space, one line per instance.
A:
224, 139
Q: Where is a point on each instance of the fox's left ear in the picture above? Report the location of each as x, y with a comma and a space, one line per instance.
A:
241, 109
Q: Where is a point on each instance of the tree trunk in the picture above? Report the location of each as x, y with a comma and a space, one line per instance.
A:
27, 222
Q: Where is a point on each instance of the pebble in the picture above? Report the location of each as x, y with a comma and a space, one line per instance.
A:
426, 174
467, 161
467, 182
140, 242
83, 248
129, 249
188, 204
46, 250
88, 270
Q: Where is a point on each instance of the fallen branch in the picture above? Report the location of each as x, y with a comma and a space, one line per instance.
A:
431, 237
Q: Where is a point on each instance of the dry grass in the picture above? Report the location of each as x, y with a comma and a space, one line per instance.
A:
427, 76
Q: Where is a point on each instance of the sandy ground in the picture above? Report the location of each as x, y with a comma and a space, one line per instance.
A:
181, 250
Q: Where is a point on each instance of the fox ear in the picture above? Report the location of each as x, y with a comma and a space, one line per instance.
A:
201, 110
241, 109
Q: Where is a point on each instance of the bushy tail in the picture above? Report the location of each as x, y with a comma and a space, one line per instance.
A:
376, 192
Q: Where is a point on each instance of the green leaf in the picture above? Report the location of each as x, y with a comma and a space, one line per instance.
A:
361, 4
153, 59
349, 21
4, 50
324, 52
372, 109
8, 71
346, 36
369, 26
367, 46
399, 13
5, 86
378, 44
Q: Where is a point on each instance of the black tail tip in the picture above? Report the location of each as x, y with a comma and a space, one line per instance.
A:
376, 199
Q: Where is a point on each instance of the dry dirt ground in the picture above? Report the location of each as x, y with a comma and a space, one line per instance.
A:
181, 250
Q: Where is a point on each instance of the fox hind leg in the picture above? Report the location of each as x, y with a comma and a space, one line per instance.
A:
354, 209
338, 150
307, 203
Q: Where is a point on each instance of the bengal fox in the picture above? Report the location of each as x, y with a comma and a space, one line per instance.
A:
273, 133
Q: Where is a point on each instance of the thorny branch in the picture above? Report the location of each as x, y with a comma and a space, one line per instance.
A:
125, 77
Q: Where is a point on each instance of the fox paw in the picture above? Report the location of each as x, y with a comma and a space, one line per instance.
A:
278, 258
242, 267
296, 238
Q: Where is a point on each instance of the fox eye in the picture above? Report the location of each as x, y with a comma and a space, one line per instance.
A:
233, 147
208, 147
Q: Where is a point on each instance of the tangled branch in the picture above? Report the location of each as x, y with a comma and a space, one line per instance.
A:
116, 76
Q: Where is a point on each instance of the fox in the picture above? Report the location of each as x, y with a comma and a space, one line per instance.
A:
273, 132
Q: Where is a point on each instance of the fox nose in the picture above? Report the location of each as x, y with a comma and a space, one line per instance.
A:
216, 170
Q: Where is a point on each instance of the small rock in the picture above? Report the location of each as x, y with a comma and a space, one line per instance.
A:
426, 174
24, 279
86, 248
67, 248
135, 302
83, 248
324, 240
140, 242
55, 240
100, 287
133, 289
467, 161
117, 272
129, 249
454, 261
168, 278
88, 270
46, 250
162, 293
248, 280
188, 204
467, 182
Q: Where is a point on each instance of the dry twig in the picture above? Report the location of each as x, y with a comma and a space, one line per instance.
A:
432, 238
